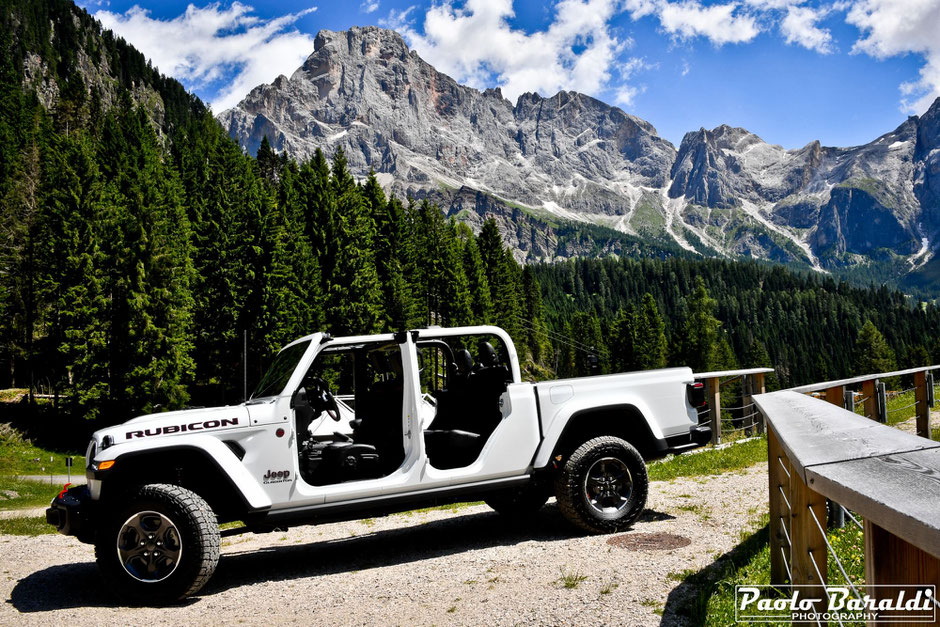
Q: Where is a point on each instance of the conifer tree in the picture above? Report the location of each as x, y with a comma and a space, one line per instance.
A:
623, 340
149, 270
390, 254
650, 343
872, 353
700, 337
479, 287
757, 357
353, 295
532, 316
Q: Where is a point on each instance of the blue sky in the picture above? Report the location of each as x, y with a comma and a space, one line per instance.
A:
792, 71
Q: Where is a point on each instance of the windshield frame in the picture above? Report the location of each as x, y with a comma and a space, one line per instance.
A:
292, 356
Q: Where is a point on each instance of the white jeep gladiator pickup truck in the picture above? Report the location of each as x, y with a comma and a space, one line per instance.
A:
349, 427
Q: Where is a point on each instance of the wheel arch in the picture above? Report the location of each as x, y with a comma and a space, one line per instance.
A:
623, 420
187, 466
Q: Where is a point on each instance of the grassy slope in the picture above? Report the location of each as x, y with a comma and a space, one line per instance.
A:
710, 461
18, 457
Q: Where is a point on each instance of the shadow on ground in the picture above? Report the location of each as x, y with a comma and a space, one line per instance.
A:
80, 585
687, 604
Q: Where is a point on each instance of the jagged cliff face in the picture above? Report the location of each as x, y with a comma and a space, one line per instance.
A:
573, 158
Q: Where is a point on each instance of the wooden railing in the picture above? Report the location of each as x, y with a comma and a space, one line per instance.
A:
885, 480
752, 383
874, 395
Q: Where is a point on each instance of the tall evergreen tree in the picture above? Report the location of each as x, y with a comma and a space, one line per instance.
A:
872, 353
353, 296
478, 285
650, 344
700, 337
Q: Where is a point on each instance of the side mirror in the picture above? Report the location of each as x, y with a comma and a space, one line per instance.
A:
299, 398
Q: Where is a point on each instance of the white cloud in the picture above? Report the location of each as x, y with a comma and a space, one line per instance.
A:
799, 27
369, 6
398, 19
475, 44
204, 45
897, 27
719, 23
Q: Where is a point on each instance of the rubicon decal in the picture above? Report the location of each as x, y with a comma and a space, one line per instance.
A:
193, 426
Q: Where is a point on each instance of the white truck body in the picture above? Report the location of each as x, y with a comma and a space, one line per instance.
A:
416, 421
534, 418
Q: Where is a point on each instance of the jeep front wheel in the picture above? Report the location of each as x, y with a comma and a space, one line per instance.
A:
602, 487
159, 545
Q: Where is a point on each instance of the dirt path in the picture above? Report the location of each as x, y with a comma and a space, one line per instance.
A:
910, 425
438, 567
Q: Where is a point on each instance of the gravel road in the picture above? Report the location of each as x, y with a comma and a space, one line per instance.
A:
438, 567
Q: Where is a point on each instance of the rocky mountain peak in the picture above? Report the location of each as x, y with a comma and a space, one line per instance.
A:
572, 157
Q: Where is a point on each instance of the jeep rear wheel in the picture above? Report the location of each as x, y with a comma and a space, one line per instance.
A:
159, 545
602, 487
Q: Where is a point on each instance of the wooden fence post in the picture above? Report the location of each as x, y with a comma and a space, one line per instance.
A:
779, 515
757, 387
921, 410
808, 556
871, 403
891, 560
714, 407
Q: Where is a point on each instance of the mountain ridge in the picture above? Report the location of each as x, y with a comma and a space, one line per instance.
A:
571, 157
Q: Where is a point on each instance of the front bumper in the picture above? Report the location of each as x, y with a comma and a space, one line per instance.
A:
72, 513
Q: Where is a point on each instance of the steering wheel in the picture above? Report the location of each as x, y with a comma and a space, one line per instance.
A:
323, 400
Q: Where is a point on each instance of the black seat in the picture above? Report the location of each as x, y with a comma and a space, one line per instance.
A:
379, 415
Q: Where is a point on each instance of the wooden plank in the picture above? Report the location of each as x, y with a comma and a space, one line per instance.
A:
808, 553
889, 560
871, 403
818, 387
900, 492
713, 392
777, 480
921, 410
815, 432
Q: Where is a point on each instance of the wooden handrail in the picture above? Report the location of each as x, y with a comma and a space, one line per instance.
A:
888, 476
817, 451
825, 385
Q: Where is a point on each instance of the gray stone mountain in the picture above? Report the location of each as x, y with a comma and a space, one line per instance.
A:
544, 163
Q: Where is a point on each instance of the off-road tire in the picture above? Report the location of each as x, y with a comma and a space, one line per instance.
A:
518, 503
198, 535
570, 482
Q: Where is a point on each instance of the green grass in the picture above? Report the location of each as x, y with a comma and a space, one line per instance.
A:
899, 407
454, 507
571, 579
19, 494
749, 563
710, 461
19, 456
33, 526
